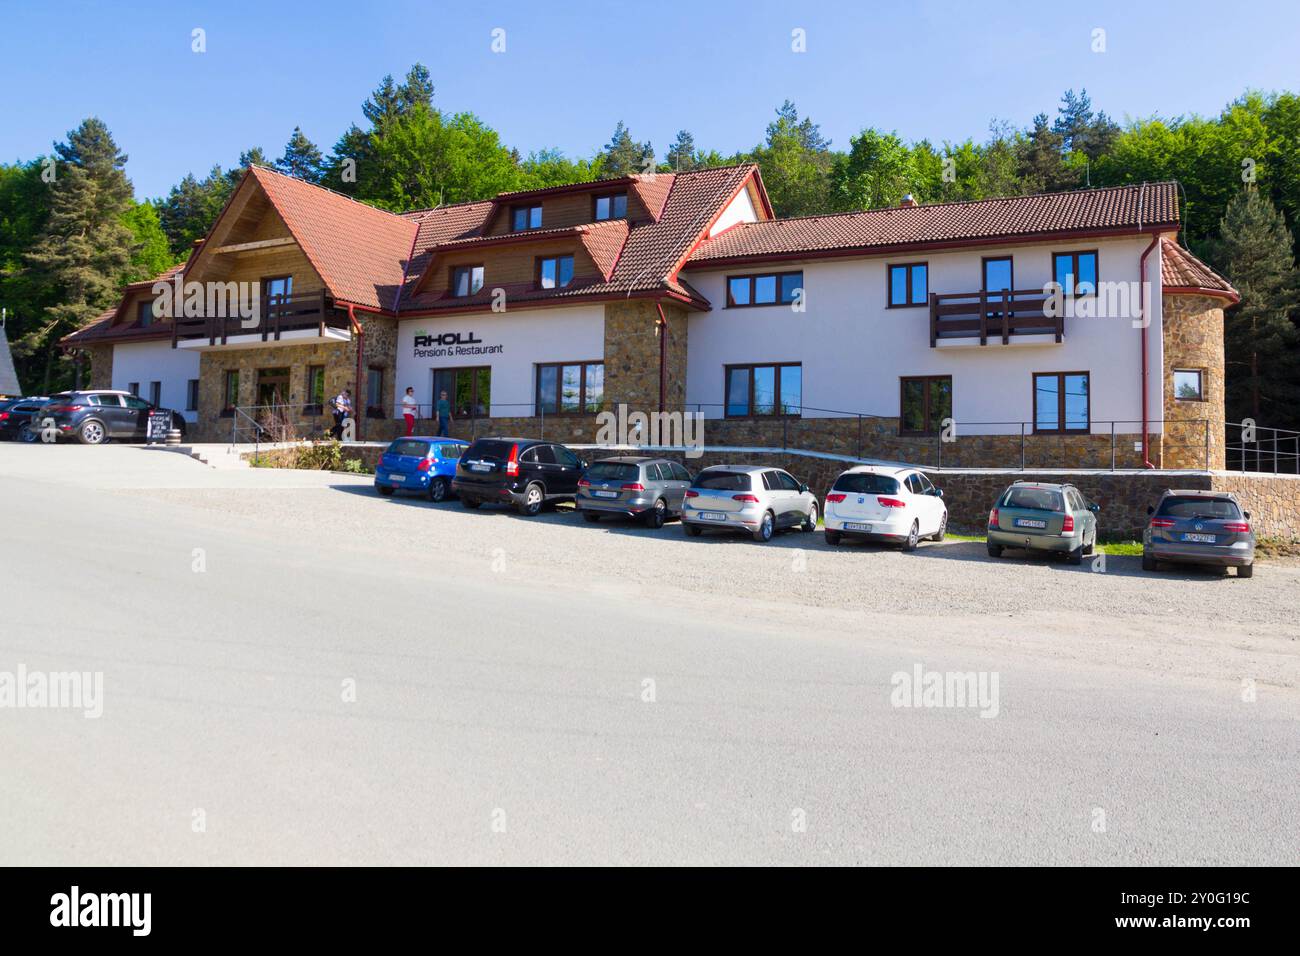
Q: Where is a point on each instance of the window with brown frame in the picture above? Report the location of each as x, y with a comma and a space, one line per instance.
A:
524, 218
769, 288
145, 316
315, 404
1076, 272
1189, 384
466, 280
554, 272
230, 392
753, 390
610, 206
570, 388
1062, 403
375, 393
909, 284
924, 401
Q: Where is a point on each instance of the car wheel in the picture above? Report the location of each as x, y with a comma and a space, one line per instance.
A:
470, 503
92, 432
810, 522
657, 515
832, 537
691, 530
384, 490
438, 490
765, 527
1090, 547
1149, 563
591, 516
913, 537
533, 500
26, 434
1246, 570
943, 528
1075, 556
995, 550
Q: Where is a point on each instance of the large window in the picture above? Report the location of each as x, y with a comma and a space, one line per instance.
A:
998, 274
1076, 272
523, 218
466, 280
613, 206
1061, 402
570, 389
554, 272
1189, 384
773, 288
277, 287
375, 393
909, 284
315, 395
764, 390
924, 402
230, 392
469, 390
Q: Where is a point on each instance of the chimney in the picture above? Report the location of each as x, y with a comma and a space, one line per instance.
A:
908, 202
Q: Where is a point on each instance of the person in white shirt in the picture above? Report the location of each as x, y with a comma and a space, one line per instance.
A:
342, 403
409, 410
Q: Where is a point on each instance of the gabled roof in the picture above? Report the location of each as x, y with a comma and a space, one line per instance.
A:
120, 325
1180, 271
1113, 209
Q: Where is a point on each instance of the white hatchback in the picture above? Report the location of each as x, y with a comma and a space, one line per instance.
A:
885, 504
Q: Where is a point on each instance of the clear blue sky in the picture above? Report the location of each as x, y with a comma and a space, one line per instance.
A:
571, 70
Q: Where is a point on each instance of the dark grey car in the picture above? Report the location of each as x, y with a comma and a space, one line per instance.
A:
1199, 527
632, 486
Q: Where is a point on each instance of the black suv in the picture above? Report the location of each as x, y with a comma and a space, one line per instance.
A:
524, 472
15, 413
95, 416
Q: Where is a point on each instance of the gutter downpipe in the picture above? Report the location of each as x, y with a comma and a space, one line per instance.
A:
663, 355
1146, 324
360, 333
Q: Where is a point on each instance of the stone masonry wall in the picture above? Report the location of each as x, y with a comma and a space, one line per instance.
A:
1193, 339
101, 366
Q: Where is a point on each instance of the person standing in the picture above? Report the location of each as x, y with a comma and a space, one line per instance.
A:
342, 405
444, 414
409, 409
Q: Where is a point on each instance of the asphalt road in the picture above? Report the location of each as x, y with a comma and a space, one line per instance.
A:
296, 671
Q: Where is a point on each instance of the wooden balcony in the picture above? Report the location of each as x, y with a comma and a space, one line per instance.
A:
1000, 316
281, 317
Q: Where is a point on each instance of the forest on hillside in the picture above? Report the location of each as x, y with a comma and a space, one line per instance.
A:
72, 232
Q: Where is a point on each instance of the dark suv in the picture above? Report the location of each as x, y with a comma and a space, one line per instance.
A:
524, 472
15, 413
94, 416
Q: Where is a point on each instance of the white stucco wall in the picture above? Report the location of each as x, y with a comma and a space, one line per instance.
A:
146, 362
854, 350
740, 209
526, 338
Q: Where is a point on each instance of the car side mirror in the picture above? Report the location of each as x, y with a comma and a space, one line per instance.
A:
582, 463
938, 492
803, 488
1094, 507
1150, 510
1246, 515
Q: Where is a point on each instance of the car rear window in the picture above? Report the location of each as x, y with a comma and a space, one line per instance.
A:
725, 481
1192, 506
866, 484
408, 446
490, 448
1034, 499
613, 471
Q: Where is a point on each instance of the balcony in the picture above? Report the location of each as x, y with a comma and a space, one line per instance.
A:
305, 318
1007, 318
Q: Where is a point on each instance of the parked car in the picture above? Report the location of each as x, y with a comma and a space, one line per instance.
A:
632, 486
420, 464
524, 472
1199, 527
748, 498
1043, 517
94, 416
15, 413
885, 504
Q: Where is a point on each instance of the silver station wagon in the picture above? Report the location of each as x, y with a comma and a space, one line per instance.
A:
651, 489
1199, 527
748, 498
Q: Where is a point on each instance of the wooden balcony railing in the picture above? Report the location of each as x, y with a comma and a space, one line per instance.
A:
997, 315
279, 314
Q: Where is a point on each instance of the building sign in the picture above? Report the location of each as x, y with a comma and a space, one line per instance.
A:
452, 345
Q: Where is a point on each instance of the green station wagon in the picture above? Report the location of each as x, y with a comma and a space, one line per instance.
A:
1043, 517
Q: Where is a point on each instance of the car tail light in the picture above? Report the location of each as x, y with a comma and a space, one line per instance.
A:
62, 408
993, 518
753, 499
891, 503
1236, 526
512, 465
692, 494
584, 483
1162, 522
836, 497
634, 486
4, 416
424, 465
1068, 524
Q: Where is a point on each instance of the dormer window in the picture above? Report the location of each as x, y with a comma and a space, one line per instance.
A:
554, 272
612, 206
145, 317
466, 280
523, 218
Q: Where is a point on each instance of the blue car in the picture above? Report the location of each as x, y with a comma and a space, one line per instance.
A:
419, 464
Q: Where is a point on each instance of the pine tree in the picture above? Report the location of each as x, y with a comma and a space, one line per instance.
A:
301, 158
85, 249
1254, 251
624, 156
681, 156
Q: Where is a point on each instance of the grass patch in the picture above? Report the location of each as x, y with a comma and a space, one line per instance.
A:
1119, 546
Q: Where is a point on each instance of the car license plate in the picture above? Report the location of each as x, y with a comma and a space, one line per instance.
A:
856, 526
1199, 538
1030, 523
712, 516
605, 494
480, 466
396, 477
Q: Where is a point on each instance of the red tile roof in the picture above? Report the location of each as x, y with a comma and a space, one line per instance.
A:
1087, 210
116, 324
1180, 271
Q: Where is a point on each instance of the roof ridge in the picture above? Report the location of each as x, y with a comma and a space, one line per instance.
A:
326, 189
